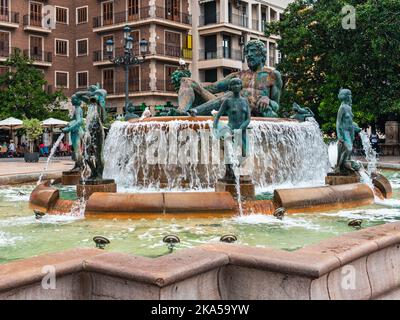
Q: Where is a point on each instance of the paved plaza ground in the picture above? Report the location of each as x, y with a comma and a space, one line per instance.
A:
17, 167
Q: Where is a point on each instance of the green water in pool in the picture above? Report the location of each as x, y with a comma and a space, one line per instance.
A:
23, 236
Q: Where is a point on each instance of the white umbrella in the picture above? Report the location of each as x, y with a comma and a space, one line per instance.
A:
51, 122
11, 124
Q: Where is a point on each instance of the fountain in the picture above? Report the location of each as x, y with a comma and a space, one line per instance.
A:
199, 164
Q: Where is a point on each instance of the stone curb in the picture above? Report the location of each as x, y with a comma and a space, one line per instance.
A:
28, 177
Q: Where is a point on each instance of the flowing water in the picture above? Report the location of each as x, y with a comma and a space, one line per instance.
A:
151, 155
22, 236
370, 153
52, 152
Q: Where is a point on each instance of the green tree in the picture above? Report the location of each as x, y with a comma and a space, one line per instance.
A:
319, 57
33, 130
22, 94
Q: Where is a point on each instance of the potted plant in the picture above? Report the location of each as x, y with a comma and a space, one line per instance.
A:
33, 130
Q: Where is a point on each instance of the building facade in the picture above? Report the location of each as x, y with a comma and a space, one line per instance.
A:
208, 35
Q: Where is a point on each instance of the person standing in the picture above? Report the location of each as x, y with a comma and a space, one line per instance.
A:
11, 149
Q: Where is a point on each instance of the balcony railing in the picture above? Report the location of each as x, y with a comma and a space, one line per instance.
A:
39, 56
9, 16
239, 20
102, 55
165, 85
173, 51
254, 24
33, 20
209, 19
142, 13
118, 88
220, 53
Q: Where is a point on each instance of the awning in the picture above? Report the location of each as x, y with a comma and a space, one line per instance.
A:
11, 123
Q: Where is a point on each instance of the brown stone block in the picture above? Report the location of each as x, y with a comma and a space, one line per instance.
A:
43, 197
198, 202
323, 198
382, 184
384, 270
311, 265
350, 282
346, 249
23, 272
70, 178
258, 207
240, 283
247, 190
86, 190
335, 180
106, 202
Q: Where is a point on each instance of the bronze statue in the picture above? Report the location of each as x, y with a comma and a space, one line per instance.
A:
346, 130
237, 109
261, 86
300, 113
130, 112
75, 128
95, 97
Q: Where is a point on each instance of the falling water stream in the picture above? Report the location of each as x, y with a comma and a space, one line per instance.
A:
154, 154
52, 152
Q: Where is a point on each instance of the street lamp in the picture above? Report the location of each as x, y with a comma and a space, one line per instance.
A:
129, 58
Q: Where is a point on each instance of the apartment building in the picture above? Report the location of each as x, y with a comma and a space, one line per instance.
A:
208, 35
224, 26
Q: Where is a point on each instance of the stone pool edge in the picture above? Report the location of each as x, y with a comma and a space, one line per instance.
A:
359, 265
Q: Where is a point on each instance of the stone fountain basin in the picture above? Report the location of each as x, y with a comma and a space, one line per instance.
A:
182, 204
221, 272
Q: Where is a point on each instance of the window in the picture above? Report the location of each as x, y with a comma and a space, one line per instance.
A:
35, 14
36, 48
81, 15
134, 79
82, 47
133, 9
4, 10
108, 13
61, 47
62, 15
62, 80
108, 80
82, 79
4, 44
3, 70
272, 54
172, 44
172, 8
168, 73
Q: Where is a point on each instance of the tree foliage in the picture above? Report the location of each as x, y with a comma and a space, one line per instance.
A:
319, 57
22, 93
33, 130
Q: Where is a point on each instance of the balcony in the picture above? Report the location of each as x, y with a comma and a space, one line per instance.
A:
222, 57
120, 19
209, 20
135, 86
221, 53
239, 20
40, 58
33, 22
9, 19
101, 56
254, 25
167, 50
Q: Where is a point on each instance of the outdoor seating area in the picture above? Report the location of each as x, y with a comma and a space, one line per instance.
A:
14, 143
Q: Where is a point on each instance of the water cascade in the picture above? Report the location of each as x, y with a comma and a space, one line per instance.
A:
184, 154
370, 153
52, 152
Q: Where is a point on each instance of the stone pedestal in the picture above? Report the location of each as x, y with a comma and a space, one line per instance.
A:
90, 187
247, 188
69, 178
336, 179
